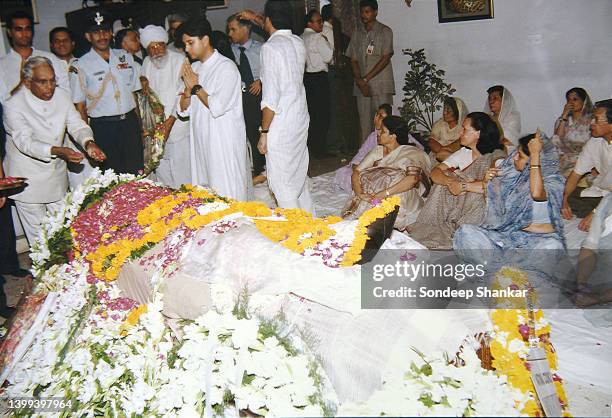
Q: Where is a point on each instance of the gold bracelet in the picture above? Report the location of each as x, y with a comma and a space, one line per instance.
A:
535, 166
387, 192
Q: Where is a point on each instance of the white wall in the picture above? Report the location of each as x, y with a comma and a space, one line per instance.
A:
537, 48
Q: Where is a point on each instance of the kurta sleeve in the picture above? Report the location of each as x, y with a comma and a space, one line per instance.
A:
221, 98
16, 124
77, 128
271, 93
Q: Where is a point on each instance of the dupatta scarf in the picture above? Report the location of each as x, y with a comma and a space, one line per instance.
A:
509, 203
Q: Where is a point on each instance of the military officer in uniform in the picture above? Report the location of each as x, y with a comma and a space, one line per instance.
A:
103, 82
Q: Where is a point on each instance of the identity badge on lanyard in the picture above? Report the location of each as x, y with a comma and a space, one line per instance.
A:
370, 49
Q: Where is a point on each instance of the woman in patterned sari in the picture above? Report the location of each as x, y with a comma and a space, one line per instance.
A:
458, 195
573, 128
393, 167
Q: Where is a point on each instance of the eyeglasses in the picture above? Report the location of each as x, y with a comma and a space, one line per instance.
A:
38, 82
601, 121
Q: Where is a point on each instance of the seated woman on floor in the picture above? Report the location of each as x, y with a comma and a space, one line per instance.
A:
445, 135
393, 167
457, 197
524, 196
343, 175
501, 107
573, 128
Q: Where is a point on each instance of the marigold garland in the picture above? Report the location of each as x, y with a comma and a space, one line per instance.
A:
353, 255
510, 346
296, 229
132, 318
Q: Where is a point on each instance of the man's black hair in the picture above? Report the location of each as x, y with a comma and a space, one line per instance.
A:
59, 29
279, 12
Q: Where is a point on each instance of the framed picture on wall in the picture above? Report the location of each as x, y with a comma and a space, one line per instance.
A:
11, 6
462, 10
215, 4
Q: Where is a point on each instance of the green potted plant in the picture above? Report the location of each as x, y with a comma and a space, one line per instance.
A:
424, 92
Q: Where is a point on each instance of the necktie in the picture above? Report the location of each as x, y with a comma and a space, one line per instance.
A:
245, 68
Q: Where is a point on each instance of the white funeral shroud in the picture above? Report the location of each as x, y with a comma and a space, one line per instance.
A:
355, 345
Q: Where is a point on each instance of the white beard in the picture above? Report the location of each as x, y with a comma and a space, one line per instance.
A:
159, 62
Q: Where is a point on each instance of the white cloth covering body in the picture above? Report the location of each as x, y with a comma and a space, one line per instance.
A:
217, 134
175, 166
11, 65
509, 117
283, 59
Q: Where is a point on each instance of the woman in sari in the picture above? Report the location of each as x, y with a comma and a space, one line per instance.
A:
445, 137
393, 167
573, 128
343, 175
502, 108
458, 195
523, 208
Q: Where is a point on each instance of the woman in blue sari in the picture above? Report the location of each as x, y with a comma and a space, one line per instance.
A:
523, 207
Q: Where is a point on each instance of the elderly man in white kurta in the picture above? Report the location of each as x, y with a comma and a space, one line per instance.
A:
213, 101
162, 69
284, 127
36, 118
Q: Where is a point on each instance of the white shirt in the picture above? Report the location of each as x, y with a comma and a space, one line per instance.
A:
596, 153
11, 65
460, 159
328, 32
33, 126
319, 53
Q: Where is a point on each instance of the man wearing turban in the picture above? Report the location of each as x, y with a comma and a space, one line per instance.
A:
162, 68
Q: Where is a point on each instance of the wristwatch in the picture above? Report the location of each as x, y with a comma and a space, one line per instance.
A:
263, 131
195, 89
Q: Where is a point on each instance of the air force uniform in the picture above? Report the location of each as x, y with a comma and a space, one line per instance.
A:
107, 89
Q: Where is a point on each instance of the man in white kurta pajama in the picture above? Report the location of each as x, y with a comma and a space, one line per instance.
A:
214, 105
162, 69
284, 139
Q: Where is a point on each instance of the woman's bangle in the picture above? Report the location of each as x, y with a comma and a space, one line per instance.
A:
387, 193
464, 187
535, 166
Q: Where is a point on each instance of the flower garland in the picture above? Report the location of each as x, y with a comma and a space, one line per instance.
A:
437, 387
388, 205
135, 216
510, 345
54, 238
